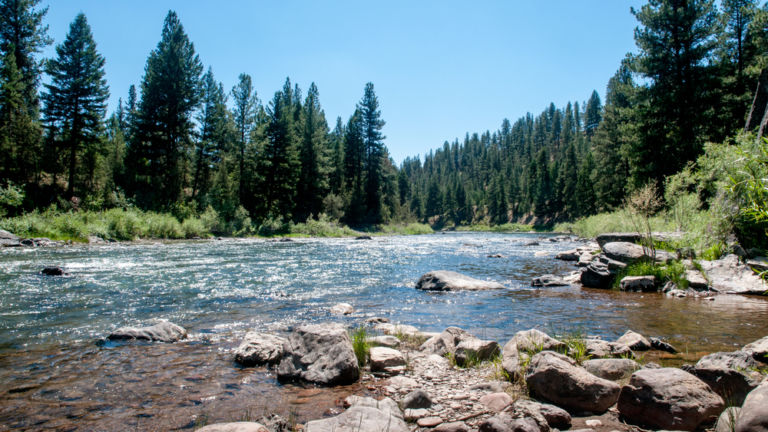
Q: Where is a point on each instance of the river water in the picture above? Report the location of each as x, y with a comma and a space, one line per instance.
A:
56, 372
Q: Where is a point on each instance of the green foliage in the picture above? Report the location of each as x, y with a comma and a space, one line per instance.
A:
714, 252
672, 272
11, 197
322, 227
360, 345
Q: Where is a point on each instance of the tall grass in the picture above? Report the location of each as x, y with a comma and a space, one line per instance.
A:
360, 345
507, 227
672, 272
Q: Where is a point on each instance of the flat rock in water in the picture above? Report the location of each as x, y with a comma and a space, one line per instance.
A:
596, 275
445, 280
638, 283
660, 345
234, 427
162, 332
342, 309
320, 354
364, 414
696, 280
668, 398
548, 281
569, 255
259, 348
727, 275
555, 378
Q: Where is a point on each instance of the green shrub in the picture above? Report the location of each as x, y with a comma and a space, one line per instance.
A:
360, 345
672, 272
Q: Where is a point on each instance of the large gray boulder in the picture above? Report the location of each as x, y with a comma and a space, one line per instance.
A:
596, 275
613, 369
668, 398
638, 283
385, 359
546, 416
732, 375
234, 427
523, 345
8, 240
758, 349
630, 252
727, 275
364, 414
445, 280
320, 354
259, 348
753, 416
162, 332
555, 378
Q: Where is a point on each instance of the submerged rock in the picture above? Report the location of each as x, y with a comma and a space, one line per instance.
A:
548, 280
320, 354
162, 332
259, 348
53, 271
668, 398
445, 280
727, 275
342, 309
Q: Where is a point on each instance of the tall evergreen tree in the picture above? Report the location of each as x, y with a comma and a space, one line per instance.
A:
676, 42
215, 136
278, 162
374, 153
592, 114
336, 145
75, 99
246, 107
314, 158
170, 93
354, 169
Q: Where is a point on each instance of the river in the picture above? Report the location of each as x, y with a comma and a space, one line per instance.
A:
56, 372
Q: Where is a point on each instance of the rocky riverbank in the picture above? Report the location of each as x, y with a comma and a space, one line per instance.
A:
454, 381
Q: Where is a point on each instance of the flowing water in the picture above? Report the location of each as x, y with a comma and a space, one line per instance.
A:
57, 373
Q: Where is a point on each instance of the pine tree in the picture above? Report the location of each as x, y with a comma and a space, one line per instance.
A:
373, 141
592, 114
278, 162
314, 158
75, 99
336, 146
19, 131
170, 92
354, 174
676, 43
215, 137
246, 107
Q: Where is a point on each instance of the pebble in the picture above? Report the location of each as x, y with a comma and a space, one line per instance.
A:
429, 421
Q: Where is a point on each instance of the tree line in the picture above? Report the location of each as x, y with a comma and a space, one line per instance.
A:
182, 143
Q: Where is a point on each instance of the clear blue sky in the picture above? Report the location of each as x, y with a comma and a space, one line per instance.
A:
440, 68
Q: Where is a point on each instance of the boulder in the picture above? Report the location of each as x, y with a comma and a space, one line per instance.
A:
546, 416
446, 342
605, 238
635, 341
5, 235
548, 280
596, 275
753, 416
727, 275
417, 399
727, 420
624, 251
162, 332
445, 280
668, 398
696, 280
758, 349
525, 344
585, 259
388, 341
342, 309
8, 240
555, 416
638, 283
53, 271
569, 255
613, 369
598, 348
503, 422
385, 359
259, 348
234, 427
732, 375
660, 345
555, 378
364, 414
320, 354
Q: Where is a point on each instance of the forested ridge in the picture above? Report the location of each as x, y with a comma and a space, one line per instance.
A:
180, 143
